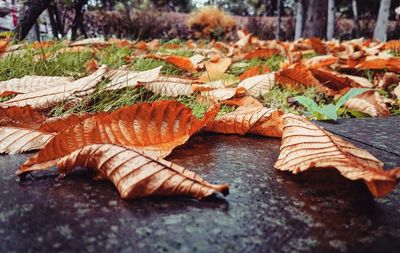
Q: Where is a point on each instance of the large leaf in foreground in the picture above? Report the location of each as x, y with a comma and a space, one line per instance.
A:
17, 140
249, 119
138, 175
305, 146
154, 128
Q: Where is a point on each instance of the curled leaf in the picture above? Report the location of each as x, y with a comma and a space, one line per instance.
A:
138, 175
249, 119
306, 146
297, 75
154, 128
369, 102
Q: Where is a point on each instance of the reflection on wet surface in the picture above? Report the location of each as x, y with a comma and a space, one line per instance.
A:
266, 210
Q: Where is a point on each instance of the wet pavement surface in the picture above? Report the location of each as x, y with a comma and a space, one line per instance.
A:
266, 210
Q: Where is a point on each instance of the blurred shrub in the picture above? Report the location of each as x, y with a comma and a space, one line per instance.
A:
212, 23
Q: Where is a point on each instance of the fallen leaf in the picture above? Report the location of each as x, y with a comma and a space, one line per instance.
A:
220, 94
258, 85
178, 61
261, 53
57, 124
91, 66
138, 175
369, 102
393, 45
170, 86
154, 128
254, 71
17, 140
338, 82
90, 42
122, 78
297, 76
321, 61
249, 119
28, 84
306, 146
380, 62
243, 101
215, 68
24, 117
396, 91
387, 79
53, 95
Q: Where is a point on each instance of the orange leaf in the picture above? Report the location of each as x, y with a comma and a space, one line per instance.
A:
91, 66
249, 119
138, 175
261, 53
24, 117
306, 146
317, 45
253, 71
179, 61
243, 101
393, 45
297, 75
380, 62
321, 61
57, 124
155, 128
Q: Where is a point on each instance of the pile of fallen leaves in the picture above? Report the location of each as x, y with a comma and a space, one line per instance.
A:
128, 146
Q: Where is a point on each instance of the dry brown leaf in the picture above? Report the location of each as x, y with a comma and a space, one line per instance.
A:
396, 91
254, 71
17, 140
297, 75
170, 86
155, 128
91, 66
339, 83
306, 146
258, 85
249, 119
138, 175
387, 79
122, 78
57, 124
243, 101
56, 94
380, 62
24, 117
369, 102
181, 62
321, 61
215, 68
90, 42
261, 53
393, 45
208, 86
220, 94
28, 84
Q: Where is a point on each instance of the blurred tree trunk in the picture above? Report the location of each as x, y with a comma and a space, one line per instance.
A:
33, 10
78, 20
299, 19
356, 19
54, 25
278, 19
331, 20
382, 23
316, 20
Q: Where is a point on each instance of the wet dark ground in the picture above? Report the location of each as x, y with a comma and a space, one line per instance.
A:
266, 210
